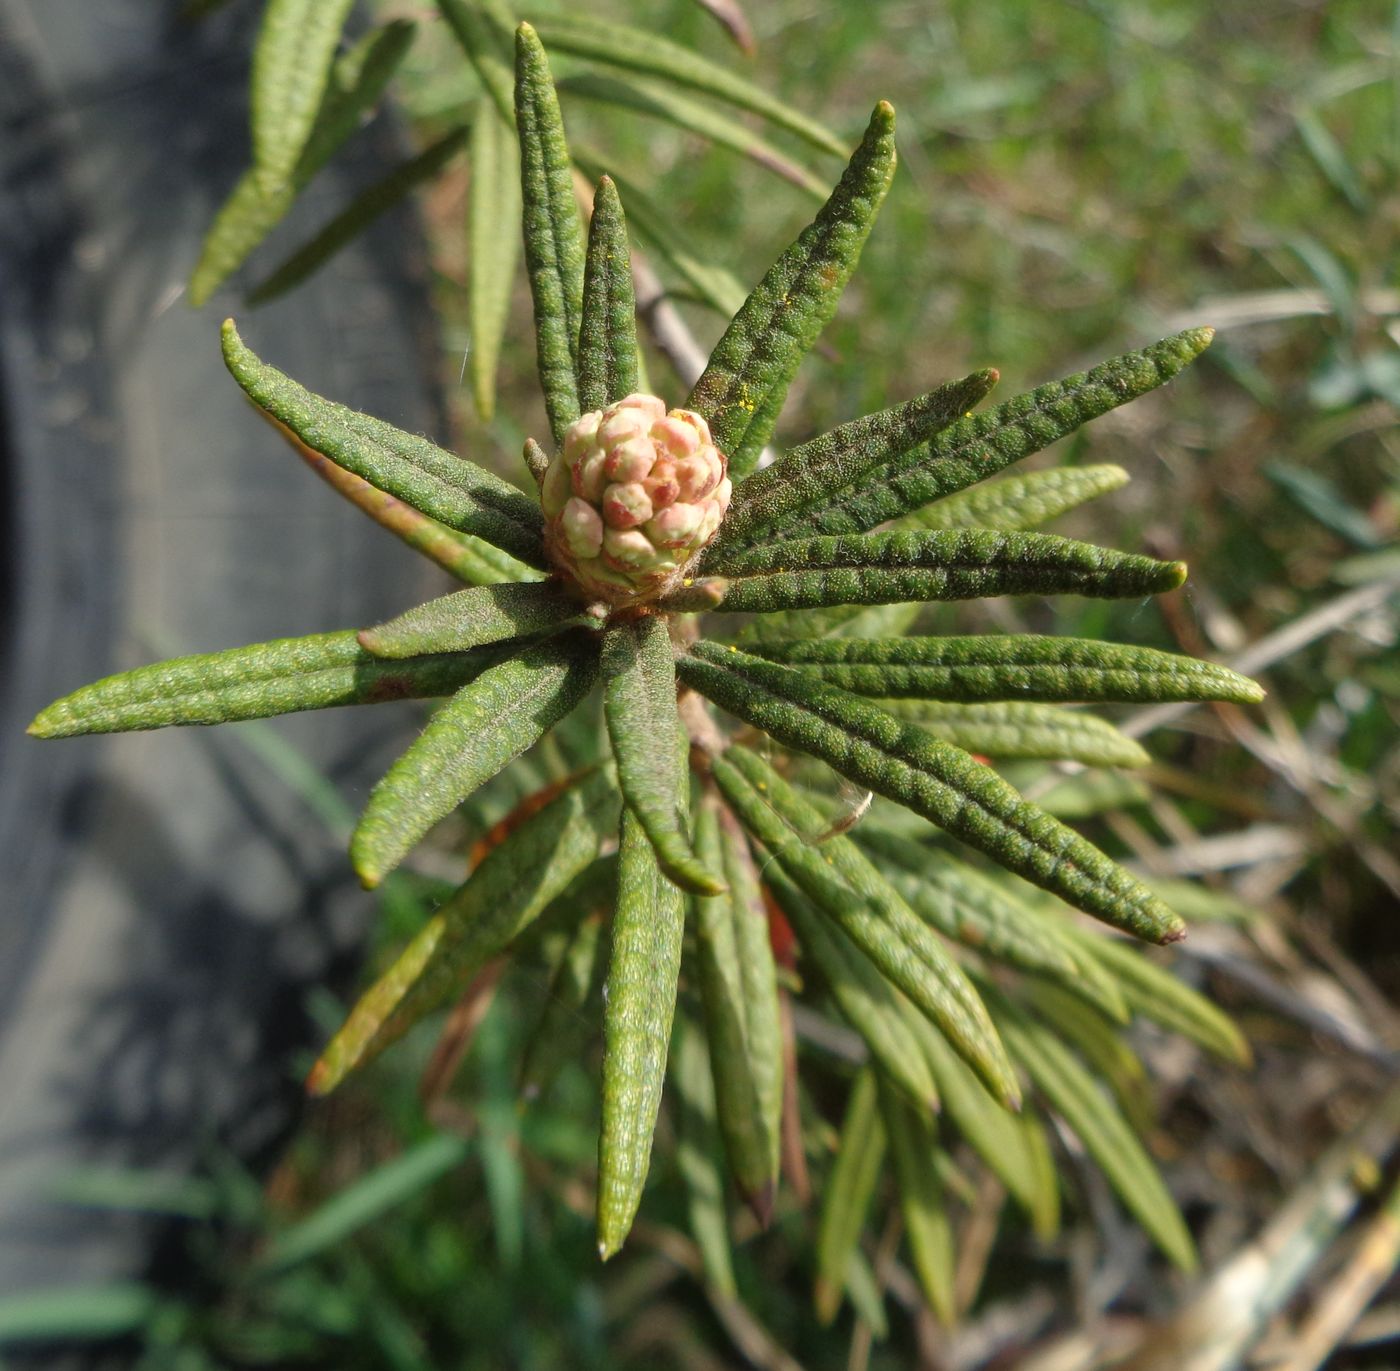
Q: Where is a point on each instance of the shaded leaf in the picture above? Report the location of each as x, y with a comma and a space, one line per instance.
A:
576, 981
554, 251
754, 361
255, 682
983, 444
639, 676
493, 211
483, 727
471, 618
457, 493
1011, 666
482, 29
1022, 501
933, 778
607, 348
640, 1000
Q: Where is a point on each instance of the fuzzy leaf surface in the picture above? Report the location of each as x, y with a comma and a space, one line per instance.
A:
615, 45
811, 473
639, 675
1011, 666
455, 492
255, 682
643, 970
607, 348
486, 725
554, 249
755, 359
958, 564
493, 211
1022, 501
933, 778
510, 887
984, 444
847, 888
472, 618
291, 70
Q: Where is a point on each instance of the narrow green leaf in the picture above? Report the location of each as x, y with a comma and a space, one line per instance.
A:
697, 1149
1079, 1099
382, 1189
555, 1038
1010, 730
252, 211
959, 564
1023, 501
73, 1312
714, 284
666, 103
933, 778
482, 29
517, 880
607, 348
811, 473
362, 211
914, 1145
847, 1194
647, 52
483, 727
865, 998
983, 444
639, 673
291, 70
640, 1001
963, 904
1011, 666
755, 359
739, 995
255, 682
493, 245
472, 618
847, 887
455, 492
554, 251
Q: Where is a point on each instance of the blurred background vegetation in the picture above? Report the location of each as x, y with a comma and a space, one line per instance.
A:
1077, 178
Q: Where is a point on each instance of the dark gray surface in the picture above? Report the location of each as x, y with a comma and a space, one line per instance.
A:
166, 898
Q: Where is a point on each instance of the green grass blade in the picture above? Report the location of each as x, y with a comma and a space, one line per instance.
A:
1081, 1102
493, 212
1011, 666
643, 968
847, 888
780, 321
848, 1193
666, 103
927, 1228
1023, 501
865, 998
362, 211
77, 1312
933, 778
697, 1149
607, 347
715, 285
513, 884
473, 618
1011, 730
252, 211
739, 996
291, 70
449, 489
647, 52
482, 30
983, 444
959, 564
554, 250
639, 675
808, 475
486, 725
363, 1201
255, 682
